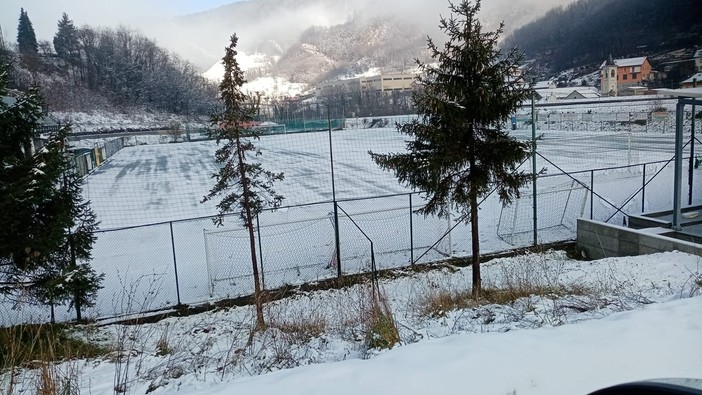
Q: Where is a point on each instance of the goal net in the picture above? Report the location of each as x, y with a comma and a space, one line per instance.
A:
559, 204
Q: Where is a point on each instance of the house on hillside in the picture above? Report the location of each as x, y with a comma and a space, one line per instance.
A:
568, 93
698, 60
619, 74
693, 82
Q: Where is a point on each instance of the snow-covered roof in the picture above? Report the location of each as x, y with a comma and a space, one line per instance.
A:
544, 84
628, 62
697, 77
687, 92
568, 90
9, 101
698, 54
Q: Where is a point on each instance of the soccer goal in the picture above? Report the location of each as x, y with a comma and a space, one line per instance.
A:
287, 252
559, 206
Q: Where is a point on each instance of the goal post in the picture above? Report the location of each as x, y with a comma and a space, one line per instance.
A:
560, 204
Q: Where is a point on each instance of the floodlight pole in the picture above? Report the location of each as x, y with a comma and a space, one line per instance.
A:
533, 156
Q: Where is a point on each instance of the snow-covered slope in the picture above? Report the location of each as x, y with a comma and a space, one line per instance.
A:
257, 71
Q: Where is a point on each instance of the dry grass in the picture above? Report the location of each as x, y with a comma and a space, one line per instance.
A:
381, 329
45, 352
528, 277
20, 345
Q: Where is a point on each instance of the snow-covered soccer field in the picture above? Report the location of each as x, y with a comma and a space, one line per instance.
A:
535, 345
163, 184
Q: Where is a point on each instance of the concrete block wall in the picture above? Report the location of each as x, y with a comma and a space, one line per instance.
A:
601, 240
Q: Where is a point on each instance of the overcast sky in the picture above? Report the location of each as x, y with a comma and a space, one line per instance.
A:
44, 14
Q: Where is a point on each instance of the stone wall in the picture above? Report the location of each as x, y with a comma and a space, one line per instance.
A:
601, 240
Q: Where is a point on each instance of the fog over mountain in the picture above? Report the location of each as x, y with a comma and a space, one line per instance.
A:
274, 26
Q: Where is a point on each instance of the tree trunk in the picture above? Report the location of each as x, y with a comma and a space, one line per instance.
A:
76, 293
474, 232
260, 322
475, 238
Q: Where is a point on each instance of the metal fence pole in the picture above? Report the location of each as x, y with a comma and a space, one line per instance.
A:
175, 263
533, 162
592, 192
643, 190
692, 150
260, 253
411, 231
337, 240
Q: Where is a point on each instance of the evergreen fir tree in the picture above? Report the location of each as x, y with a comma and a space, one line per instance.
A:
46, 232
246, 188
66, 42
459, 151
26, 39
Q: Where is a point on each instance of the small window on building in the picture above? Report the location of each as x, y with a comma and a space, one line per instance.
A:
612, 75
634, 76
624, 77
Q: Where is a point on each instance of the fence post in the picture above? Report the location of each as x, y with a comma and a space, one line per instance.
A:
592, 192
260, 253
411, 231
336, 207
692, 150
337, 240
175, 264
533, 161
643, 190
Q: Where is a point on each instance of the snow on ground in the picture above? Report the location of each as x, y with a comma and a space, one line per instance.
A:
634, 318
658, 342
270, 87
105, 121
274, 87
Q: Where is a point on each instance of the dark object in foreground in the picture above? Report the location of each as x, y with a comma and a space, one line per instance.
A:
655, 387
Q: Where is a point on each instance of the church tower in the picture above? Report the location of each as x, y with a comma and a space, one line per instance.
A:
608, 78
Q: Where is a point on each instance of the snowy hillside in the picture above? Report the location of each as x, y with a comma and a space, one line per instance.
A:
257, 68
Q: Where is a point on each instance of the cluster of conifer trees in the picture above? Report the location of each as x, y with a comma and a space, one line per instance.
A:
125, 67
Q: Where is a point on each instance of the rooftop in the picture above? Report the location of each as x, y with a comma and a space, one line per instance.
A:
627, 62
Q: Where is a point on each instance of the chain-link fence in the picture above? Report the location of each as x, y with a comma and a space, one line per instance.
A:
159, 247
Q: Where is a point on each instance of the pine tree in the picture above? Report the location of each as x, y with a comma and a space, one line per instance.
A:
459, 151
46, 232
246, 188
26, 39
66, 42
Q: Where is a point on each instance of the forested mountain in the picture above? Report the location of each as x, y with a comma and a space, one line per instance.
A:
588, 31
313, 39
89, 68
351, 48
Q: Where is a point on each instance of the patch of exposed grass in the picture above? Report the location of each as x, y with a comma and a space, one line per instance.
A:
302, 330
440, 302
381, 329
24, 345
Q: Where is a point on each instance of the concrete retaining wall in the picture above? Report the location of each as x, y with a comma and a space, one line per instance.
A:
601, 240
